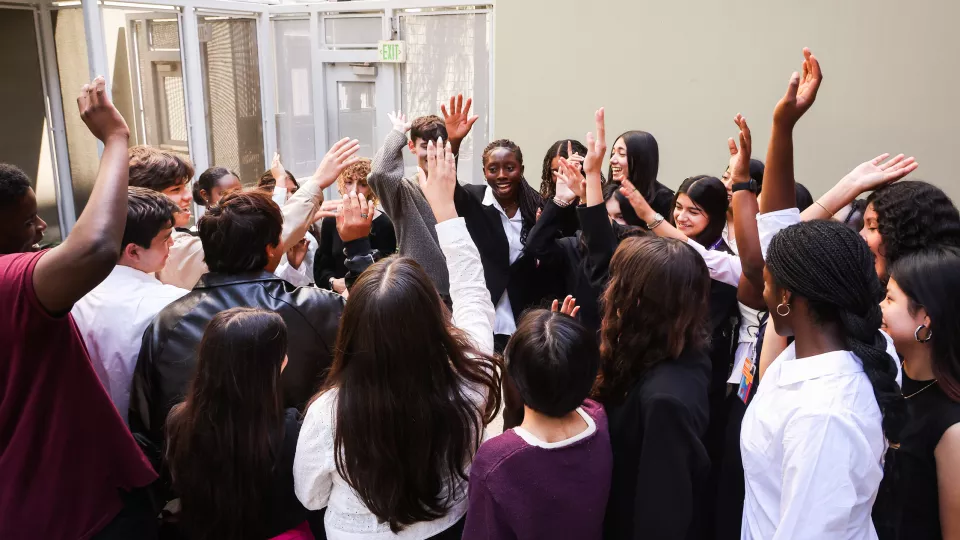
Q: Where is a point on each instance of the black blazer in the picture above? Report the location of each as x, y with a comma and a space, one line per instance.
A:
483, 222
330, 257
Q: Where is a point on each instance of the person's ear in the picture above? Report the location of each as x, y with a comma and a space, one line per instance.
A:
205, 196
131, 251
412, 146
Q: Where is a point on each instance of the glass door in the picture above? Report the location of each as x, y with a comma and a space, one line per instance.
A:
351, 100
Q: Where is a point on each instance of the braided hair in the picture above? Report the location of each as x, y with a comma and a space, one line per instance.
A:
830, 266
548, 184
529, 200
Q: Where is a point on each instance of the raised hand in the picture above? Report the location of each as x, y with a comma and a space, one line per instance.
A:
457, 118
639, 204
596, 146
328, 209
801, 92
276, 168
356, 218
439, 180
341, 156
399, 121
298, 253
740, 158
569, 177
569, 307
98, 112
876, 173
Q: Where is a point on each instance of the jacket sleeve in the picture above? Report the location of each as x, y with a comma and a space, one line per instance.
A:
185, 265
386, 174
324, 264
542, 240
666, 482
360, 256
386, 237
147, 430
298, 213
473, 311
600, 240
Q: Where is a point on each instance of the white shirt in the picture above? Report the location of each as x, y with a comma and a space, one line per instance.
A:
112, 318
512, 226
769, 224
316, 480
723, 267
303, 276
812, 446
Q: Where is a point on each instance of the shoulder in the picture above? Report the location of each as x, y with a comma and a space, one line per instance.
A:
382, 222
497, 454
477, 190
15, 268
945, 418
689, 372
596, 411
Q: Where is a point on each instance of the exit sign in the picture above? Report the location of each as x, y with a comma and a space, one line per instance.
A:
392, 52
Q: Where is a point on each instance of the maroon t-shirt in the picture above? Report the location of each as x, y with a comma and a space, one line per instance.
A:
64, 450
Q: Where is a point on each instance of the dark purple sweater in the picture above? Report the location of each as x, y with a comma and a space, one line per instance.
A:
518, 490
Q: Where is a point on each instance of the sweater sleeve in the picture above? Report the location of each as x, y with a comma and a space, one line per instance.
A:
313, 463
600, 241
485, 519
386, 174
473, 310
298, 213
665, 494
541, 242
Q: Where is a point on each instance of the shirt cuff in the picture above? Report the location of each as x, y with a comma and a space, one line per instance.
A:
451, 231
360, 246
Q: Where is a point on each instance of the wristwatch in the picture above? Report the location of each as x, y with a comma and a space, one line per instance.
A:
750, 186
657, 220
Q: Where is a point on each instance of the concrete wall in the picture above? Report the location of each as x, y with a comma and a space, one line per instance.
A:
682, 70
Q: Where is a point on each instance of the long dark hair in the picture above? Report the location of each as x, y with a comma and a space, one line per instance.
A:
529, 199
643, 162
224, 438
830, 265
709, 193
406, 427
931, 280
548, 184
654, 307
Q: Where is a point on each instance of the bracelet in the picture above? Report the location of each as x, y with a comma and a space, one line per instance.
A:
560, 203
822, 206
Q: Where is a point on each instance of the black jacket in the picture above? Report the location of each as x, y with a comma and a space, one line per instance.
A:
329, 262
168, 354
518, 279
660, 464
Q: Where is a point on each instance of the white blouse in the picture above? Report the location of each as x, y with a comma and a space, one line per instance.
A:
316, 481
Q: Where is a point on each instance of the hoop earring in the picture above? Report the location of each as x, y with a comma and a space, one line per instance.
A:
916, 334
783, 305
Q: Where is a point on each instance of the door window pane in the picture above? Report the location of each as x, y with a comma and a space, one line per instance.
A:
357, 114
296, 139
352, 31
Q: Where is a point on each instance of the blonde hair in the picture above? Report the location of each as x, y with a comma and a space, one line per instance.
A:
355, 173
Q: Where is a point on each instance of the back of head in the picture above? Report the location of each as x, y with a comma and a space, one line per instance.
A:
148, 213
208, 180
831, 267
401, 371
428, 128
548, 185
14, 184
643, 161
21, 228
803, 196
654, 307
553, 361
912, 215
931, 280
236, 232
221, 449
756, 172
709, 193
157, 169
268, 182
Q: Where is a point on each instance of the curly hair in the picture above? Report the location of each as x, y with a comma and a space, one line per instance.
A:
830, 266
530, 201
356, 173
654, 307
548, 185
913, 215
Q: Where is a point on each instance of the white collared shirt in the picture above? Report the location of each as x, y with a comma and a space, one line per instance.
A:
812, 446
512, 226
112, 318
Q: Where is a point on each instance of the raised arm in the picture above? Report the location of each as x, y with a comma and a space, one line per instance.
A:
458, 121
778, 180
868, 176
386, 171
745, 207
353, 225
473, 311
597, 232
67, 272
301, 209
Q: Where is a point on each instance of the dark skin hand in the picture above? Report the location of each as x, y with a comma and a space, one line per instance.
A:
67, 272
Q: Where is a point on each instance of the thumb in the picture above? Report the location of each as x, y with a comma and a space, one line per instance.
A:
791, 94
732, 146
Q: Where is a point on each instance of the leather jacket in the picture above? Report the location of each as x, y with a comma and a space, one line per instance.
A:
168, 354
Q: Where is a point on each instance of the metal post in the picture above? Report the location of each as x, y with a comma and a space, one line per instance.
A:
66, 209
268, 85
193, 86
319, 88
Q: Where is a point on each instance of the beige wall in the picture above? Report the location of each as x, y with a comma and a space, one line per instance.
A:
682, 70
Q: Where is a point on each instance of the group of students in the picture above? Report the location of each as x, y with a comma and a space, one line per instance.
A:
718, 362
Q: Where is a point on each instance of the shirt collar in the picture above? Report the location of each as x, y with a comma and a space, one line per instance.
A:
128, 273
794, 370
490, 200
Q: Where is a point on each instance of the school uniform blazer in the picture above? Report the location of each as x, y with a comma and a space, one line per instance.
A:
483, 222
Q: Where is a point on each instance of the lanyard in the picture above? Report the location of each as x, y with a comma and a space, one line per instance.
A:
715, 244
